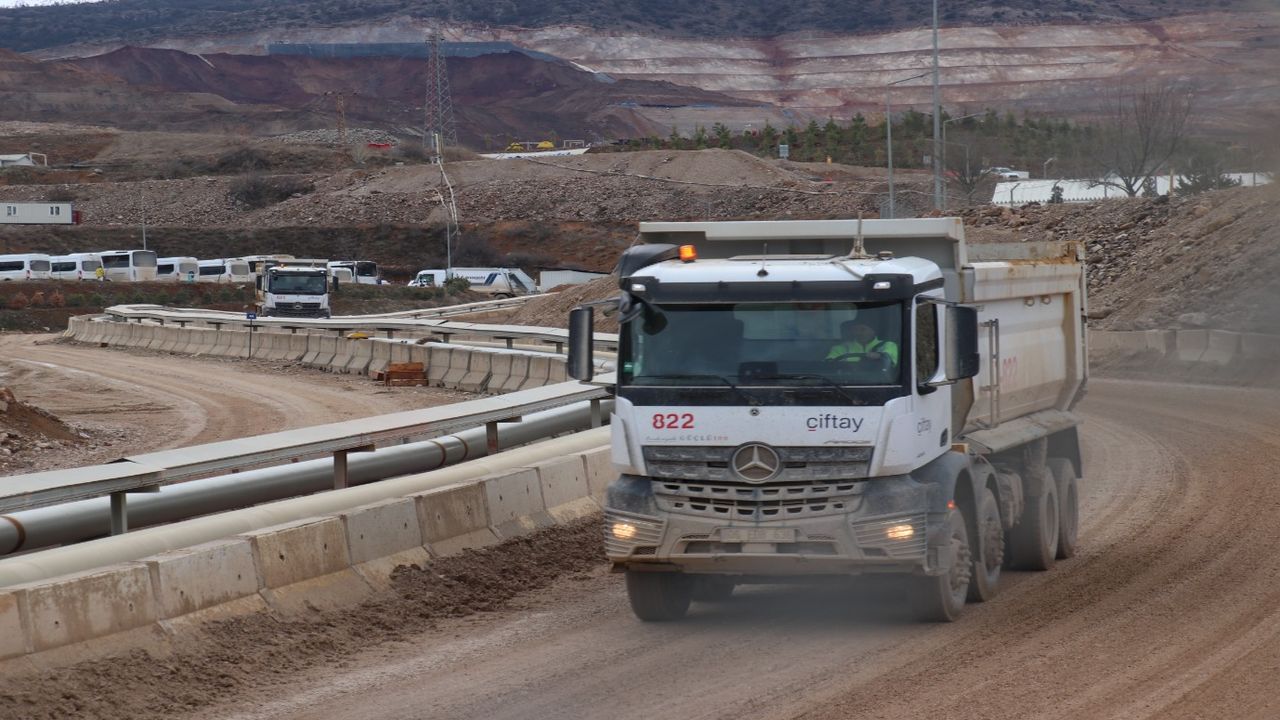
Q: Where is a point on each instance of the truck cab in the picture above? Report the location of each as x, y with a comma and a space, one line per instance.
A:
294, 292
806, 399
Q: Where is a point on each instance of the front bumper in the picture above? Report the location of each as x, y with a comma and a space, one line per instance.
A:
882, 525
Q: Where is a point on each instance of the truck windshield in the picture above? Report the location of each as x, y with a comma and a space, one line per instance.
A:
763, 344
299, 284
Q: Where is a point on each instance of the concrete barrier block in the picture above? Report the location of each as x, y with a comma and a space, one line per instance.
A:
297, 348
1131, 342
1191, 344
80, 607
13, 638
454, 518
401, 352
600, 471
514, 499
382, 529
238, 344
157, 334
313, 349
384, 536
1255, 346
459, 365
342, 355
263, 343
361, 356
1222, 349
539, 372
565, 489
499, 372
478, 373
381, 356
1161, 341
200, 577
304, 566
328, 349
439, 358
559, 371
519, 374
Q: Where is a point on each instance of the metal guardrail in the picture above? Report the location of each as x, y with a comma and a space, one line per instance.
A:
389, 324
142, 473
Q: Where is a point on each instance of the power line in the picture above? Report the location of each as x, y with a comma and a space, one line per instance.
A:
438, 129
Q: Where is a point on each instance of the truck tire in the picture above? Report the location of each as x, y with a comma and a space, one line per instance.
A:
713, 588
988, 553
659, 596
1034, 540
1068, 506
941, 598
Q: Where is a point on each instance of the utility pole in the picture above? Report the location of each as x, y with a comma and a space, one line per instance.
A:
438, 129
143, 191
888, 135
937, 118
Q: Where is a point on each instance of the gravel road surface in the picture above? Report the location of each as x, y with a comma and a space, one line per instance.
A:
135, 401
1171, 610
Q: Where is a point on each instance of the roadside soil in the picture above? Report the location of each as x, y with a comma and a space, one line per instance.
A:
1168, 611
123, 401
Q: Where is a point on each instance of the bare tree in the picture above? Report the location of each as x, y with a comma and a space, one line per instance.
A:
1142, 127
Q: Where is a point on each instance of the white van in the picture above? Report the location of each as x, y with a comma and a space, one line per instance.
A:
129, 265
258, 263
498, 282
177, 269
24, 267
224, 270
364, 272
81, 266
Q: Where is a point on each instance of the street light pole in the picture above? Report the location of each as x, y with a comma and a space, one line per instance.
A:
888, 134
937, 119
944, 150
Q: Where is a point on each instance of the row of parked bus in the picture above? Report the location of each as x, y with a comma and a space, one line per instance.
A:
144, 265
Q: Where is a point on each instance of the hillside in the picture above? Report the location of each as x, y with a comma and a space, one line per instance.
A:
141, 21
496, 96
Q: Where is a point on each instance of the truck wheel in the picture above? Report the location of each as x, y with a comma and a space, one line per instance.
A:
659, 596
1069, 506
713, 588
988, 555
1034, 540
941, 598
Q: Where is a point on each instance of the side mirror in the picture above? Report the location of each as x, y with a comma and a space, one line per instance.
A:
581, 344
963, 359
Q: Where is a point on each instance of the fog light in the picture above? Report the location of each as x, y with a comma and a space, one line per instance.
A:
624, 531
895, 532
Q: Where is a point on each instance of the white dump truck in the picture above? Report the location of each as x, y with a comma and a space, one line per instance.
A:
293, 292
806, 399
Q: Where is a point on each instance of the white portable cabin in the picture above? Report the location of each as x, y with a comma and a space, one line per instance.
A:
129, 265
548, 279
36, 213
258, 263
179, 269
224, 270
81, 266
363, 272
30, 266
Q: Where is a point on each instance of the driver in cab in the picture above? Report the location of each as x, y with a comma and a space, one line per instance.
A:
860, 342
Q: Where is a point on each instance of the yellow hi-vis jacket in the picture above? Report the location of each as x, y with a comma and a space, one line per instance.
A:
876, 345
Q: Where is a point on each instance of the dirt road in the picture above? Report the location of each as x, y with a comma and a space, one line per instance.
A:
128, 401
1171, 610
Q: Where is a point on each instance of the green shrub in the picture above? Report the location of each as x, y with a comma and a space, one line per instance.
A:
97, 300
227, 294
75, 300
455, 285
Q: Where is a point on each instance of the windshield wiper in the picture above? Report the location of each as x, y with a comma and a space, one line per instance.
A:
814, 376
754, 400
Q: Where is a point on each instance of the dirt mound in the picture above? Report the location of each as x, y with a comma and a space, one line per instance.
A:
257, 651
26, 427
553, 310
1205, 260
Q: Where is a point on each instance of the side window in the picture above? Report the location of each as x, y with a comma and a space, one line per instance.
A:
926, 341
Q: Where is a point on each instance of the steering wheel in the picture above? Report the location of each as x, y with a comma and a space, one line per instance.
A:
884, 362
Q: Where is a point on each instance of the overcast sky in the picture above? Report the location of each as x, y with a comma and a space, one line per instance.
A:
12, 3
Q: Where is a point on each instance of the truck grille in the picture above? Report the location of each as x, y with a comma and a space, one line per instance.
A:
647, 533
296, 310
799, 464
739, 501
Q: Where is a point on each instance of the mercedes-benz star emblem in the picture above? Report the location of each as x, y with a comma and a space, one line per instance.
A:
755, 463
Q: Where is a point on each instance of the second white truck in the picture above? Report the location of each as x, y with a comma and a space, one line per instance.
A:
807, 399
